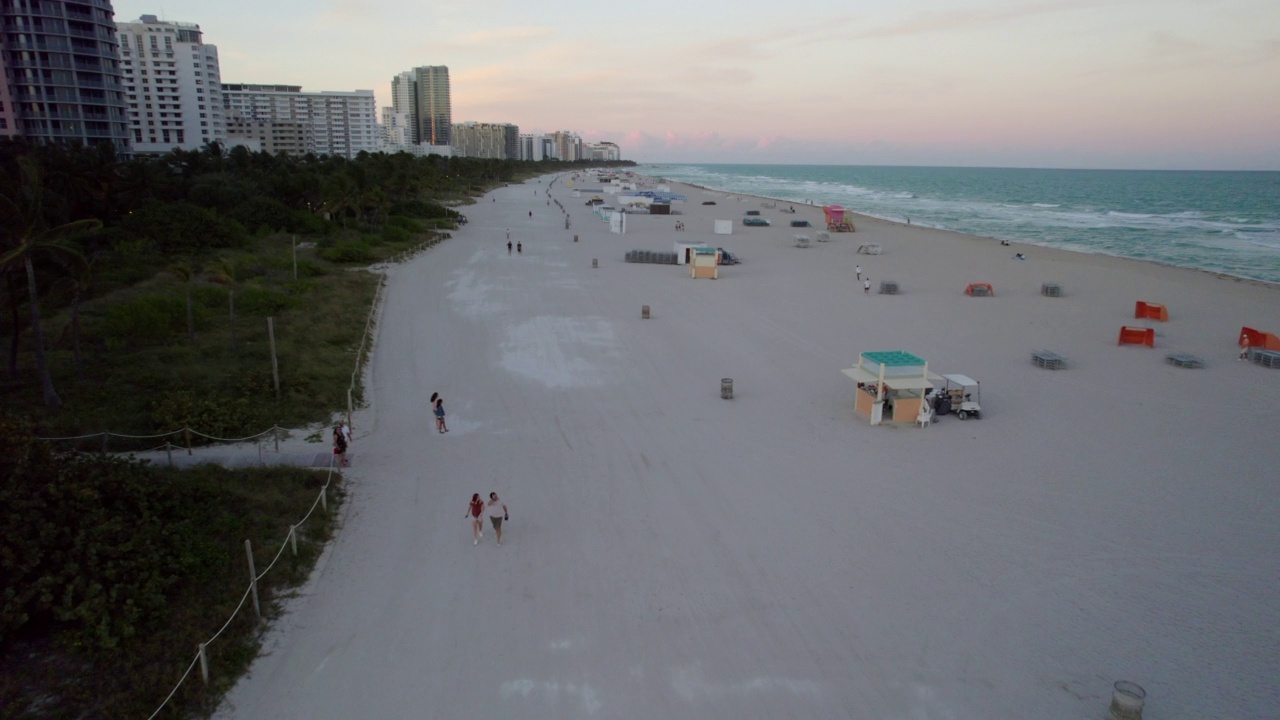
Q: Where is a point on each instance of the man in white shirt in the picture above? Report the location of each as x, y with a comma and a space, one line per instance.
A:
497, 513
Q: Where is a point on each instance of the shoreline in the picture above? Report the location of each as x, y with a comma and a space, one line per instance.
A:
1023, 242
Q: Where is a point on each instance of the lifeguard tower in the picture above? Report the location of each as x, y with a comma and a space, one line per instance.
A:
704, 262
891, 386
837, 219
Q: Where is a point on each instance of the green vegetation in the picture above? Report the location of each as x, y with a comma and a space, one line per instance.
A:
135, 296
114, 571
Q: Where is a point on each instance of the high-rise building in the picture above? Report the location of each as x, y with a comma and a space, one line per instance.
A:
62, 69
404, 100
172, 85
486, 140
423, 94
567, 145
535, 148
395, 130
434, 113
324, 123
8, 115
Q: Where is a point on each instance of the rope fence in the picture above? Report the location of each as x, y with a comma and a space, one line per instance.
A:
290, 541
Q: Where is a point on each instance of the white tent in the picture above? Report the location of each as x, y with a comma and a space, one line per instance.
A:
724, 227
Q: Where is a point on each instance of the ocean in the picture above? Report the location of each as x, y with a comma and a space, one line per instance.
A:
1223, 222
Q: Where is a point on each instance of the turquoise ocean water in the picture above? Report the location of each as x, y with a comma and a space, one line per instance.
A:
1225, 222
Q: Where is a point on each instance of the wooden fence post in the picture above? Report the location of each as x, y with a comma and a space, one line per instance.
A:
275, 364
253, 579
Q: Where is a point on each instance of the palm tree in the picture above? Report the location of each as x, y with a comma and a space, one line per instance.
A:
30, 234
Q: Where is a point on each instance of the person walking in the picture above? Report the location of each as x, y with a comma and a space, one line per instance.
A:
475, 515
340, 445
858, 269
508, 247
497, 514
519, 248
439, 412
866, 286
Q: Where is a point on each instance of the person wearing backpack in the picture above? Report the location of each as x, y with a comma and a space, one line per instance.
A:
497, 514
475, 514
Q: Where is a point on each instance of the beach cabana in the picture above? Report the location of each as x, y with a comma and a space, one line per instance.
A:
979, 290
891, 386
1258, 339
705, 262
1150, 311
1130, 335
837, 220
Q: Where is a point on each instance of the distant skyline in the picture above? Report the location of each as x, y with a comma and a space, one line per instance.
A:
1172, 84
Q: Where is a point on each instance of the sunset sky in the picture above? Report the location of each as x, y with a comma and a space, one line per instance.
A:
1189, 84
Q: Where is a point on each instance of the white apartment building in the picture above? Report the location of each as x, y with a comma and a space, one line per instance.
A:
536, 147
603, 151
342, 123
396, 128
172, 86
486, 140
567, 146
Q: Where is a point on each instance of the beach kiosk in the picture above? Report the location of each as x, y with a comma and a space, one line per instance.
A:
891, 386
705, 263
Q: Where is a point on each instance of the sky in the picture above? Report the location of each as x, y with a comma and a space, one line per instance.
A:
1162, 84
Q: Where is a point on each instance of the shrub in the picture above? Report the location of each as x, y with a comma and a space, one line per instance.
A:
349, 251
396, 235
217, 415
422, 209
405, 223
150, 319
255, 300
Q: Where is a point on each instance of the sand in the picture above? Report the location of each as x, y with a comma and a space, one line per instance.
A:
674, 555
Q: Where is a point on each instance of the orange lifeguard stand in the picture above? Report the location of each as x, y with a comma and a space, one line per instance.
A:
837, 221
1137, 336
1258, 339
979, 290
1151, 311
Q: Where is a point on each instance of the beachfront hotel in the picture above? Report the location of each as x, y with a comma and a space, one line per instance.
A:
61, 73
499, 141
282, 118
172, 85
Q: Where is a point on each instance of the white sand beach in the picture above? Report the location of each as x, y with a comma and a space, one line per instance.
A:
671, 554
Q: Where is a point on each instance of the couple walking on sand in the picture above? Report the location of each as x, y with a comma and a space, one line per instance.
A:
497, 511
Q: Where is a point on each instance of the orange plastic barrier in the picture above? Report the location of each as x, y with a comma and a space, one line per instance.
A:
1137, 336
969, 290
1258, 339
1151, 311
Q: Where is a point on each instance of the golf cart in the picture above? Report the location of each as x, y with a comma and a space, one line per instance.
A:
960, 394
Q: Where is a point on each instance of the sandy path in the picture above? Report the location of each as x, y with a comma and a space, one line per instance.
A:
674, 555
